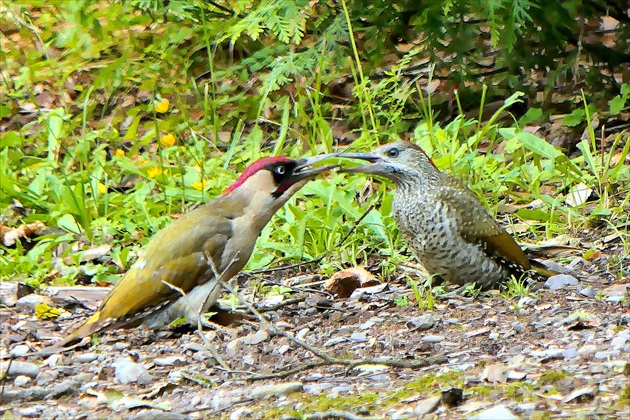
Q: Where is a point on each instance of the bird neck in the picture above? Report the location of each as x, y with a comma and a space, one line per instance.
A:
418, 181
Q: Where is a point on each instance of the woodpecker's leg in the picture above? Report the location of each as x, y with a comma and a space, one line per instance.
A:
457, 293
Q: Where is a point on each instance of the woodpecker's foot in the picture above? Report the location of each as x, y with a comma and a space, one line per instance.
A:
457, 294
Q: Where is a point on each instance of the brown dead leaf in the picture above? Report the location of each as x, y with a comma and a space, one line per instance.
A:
344, 282
9, 237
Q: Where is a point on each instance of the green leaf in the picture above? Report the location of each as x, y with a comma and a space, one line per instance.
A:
616, 104
574, 118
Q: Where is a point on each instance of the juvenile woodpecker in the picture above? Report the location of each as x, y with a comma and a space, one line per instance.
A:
446, 226
216, 238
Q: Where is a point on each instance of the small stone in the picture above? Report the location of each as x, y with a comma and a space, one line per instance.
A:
619, 341
334, 340
20, 368
85, 357
499, 412
126, 371
517, 326
29, 302
46, 377
21, 381
589, 292
194, 347
283, 325
560, 281
54, 360
427, 406
493, 336
606, 354
301, 335
570, 352
121, 345
581, 395
241, 413
422, 323
29, 412
587, 350
19, 350
170, 361
358, 337
276, 390
433, 338
256, 338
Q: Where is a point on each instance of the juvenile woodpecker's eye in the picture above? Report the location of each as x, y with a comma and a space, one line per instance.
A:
281, 170
393, 152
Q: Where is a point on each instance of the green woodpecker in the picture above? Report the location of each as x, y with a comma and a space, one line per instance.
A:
444, 223
216, 238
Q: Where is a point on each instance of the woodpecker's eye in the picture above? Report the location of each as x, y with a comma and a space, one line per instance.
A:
280, 170
393, 152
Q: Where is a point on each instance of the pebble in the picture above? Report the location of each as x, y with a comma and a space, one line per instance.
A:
276, 390
224, 399
422, 323
606, 354
302, 333
358, 337
589, 292
241, 413
560, 281
54, 360
21, 381
126, 370
85, 357
120, 346
19, 350
317, 388
517, 326
427, 406
334, 340
433, 338
20, 368
255, 338
570, 352
619, 341
170, 361
499, 412
587, 350
46, 377
29, 412
194, 347
29, 302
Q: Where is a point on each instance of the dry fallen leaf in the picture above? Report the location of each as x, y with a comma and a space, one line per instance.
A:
344, 282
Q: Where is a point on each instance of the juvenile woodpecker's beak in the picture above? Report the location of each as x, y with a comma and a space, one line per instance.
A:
372, 167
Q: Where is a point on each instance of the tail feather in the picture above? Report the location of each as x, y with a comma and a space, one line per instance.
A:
93, 325
541, 270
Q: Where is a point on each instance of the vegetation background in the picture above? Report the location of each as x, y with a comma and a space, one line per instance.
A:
117, 116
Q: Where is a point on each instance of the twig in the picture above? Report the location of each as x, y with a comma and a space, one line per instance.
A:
321, 257
206, 343
327, 359
337, 414
282, 304
4, 378
352, 363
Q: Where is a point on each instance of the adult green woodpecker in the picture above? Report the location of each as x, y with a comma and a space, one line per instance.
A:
443, 222
217, 238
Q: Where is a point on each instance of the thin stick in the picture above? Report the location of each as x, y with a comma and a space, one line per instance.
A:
321, 257
206, 343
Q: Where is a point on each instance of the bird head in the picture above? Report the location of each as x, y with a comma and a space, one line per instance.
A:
270, 182
400, 161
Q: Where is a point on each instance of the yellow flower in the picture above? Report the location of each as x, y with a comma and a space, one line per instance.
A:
119, 152
199, 185
162, 106
154, 171
167, 140
102, 189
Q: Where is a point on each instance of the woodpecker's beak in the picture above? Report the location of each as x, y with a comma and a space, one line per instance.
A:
372, 167
305, 169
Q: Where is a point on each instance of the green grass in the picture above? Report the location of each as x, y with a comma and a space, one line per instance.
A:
82, 93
